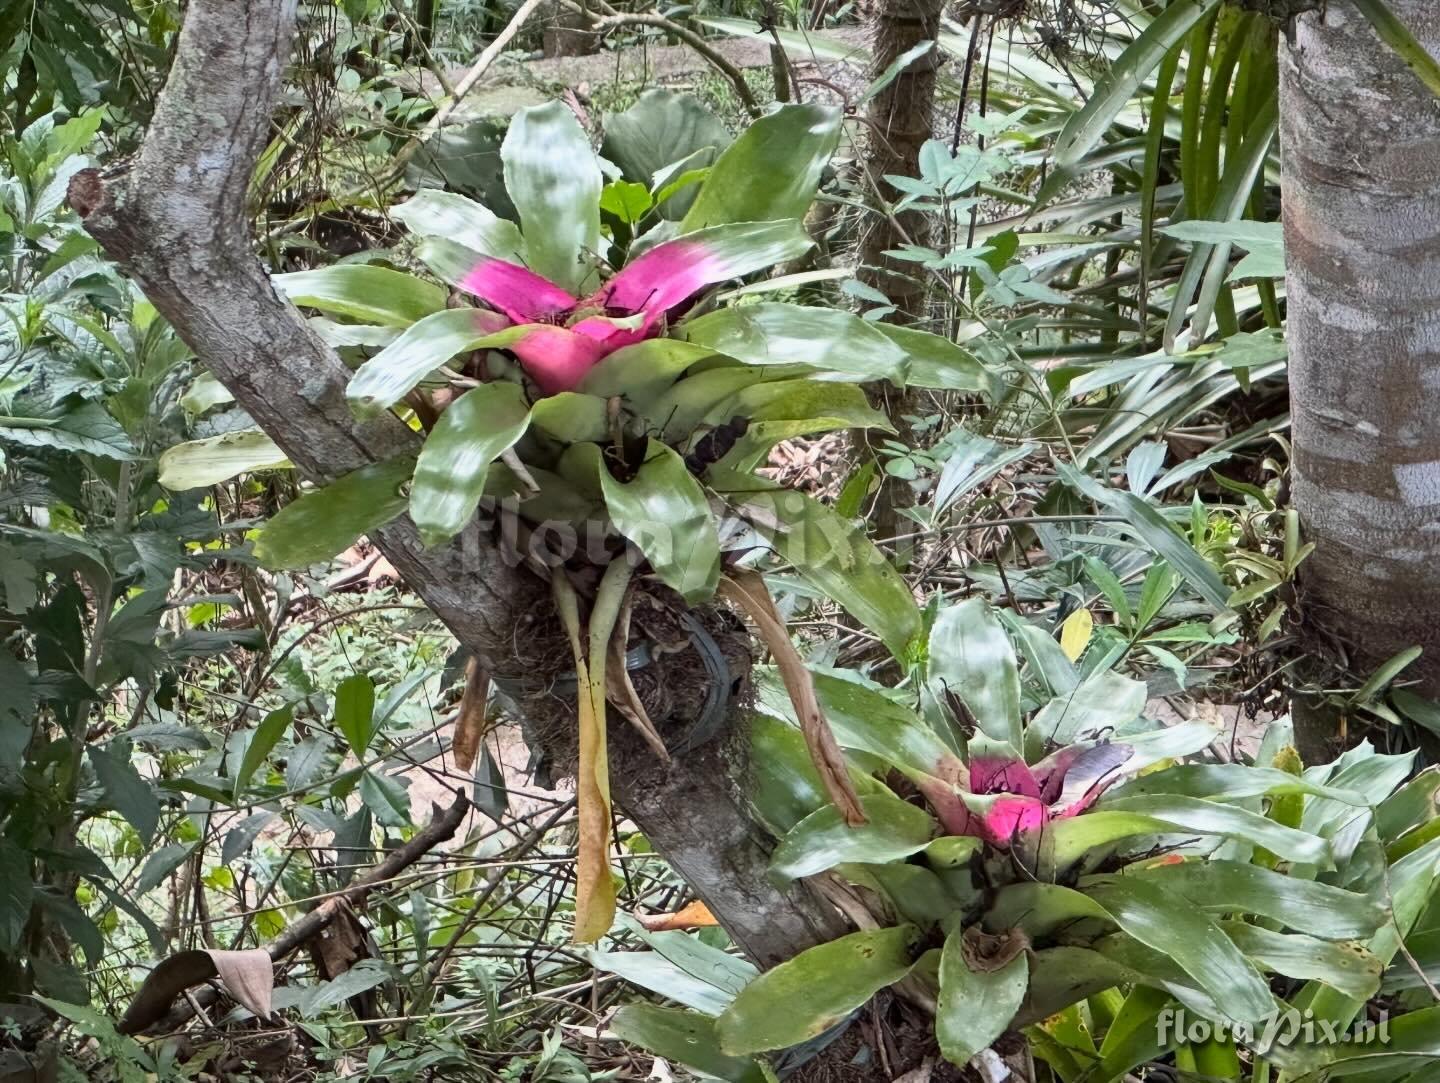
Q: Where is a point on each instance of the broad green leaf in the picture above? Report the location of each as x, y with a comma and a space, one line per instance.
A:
933, 361
643, 370
975, 1006
663, 511
364, 975
683, 1037
710, 964
784, 785
363, 292
387, 797
328, 520
1410, 890
653, 971
771, 171
199, 463
865, 720
1084, 130
387, 377
1343, 966
125, 791
893, 830
554, 181
970, 657
1103, 702
160, 864
450, 473
1323, 911
626, 200
432, 212
241, 837
783, 409
777, 333
1231, 782
264, 738
572, 417
1169, 924
807, 995
832, 555
1113, 821
16, 894
662, 129
355, 711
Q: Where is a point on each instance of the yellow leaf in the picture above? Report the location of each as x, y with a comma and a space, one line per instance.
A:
1075, 633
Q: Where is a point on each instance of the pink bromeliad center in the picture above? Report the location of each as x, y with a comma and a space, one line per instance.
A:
1026, 798
570, 335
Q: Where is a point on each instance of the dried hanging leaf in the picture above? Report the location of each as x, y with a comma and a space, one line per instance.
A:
248, 975
594, 885
748, 590
470, 727
620, 690
695, 915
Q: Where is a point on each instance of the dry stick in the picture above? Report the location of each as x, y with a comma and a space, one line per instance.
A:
689, 37
465, 85
441, 828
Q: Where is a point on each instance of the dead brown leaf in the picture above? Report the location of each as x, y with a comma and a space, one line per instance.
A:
748, 590
470, 726
694, 915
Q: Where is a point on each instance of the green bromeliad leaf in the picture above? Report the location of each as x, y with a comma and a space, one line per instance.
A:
392, 373
970, 656
1113, 821
810, 993
453, 464
554, 181
777, 333
328, 520
663, 511
1323, 911
975, 1006
684, 1037
893, 830
833, 554
435, 213
771, 171
375, 295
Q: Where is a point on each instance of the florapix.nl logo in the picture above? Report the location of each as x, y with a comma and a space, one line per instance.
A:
1286, 1028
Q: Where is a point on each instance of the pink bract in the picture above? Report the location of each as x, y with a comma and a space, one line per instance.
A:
1064, 784
572, 335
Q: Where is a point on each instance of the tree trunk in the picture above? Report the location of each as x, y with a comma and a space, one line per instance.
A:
902, 118
175, 221
1360, 142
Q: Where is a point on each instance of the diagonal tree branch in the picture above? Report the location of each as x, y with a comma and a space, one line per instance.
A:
176, 222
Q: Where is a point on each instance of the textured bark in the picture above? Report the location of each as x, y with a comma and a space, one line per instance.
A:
175, 221
1360, 140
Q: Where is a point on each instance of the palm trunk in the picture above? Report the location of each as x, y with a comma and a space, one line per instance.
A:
1360, 138
901, 119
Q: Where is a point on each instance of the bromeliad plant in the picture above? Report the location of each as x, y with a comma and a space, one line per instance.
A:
1042, 856
584, 347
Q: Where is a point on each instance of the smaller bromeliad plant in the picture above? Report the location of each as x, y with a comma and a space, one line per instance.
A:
580, 365
1038, 856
